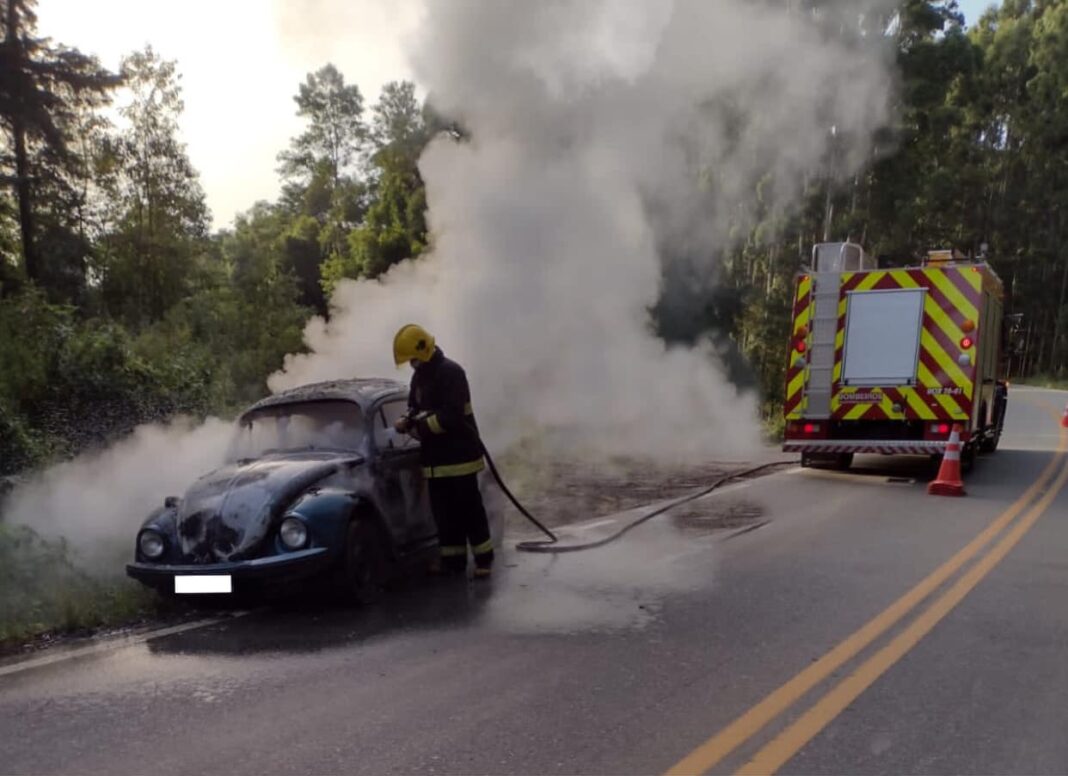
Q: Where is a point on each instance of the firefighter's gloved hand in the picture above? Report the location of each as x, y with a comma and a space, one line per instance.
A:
403, 425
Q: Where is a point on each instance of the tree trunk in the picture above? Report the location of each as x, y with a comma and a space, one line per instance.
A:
24, 193
1058, 316
828, 215
23, 189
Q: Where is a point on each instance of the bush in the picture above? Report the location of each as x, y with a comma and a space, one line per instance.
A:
43, 590
69, 384
20, 447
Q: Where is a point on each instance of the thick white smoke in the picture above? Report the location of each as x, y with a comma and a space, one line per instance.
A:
585, 116
98, 500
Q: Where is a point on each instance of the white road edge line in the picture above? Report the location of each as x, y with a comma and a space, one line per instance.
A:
113, 644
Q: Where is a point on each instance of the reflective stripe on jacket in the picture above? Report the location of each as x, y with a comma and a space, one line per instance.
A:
440, 403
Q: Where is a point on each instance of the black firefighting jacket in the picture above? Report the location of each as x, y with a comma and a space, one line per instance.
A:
440, 404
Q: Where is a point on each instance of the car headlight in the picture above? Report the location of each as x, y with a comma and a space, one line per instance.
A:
294, 533
151, 544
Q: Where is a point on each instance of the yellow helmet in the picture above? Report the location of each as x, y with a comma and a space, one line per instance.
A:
412, 341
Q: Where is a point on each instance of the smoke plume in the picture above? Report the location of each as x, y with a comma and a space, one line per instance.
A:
600, 131
98, 500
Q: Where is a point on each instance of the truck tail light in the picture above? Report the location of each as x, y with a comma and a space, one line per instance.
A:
966, 343
796, 429
801, 347
937, 431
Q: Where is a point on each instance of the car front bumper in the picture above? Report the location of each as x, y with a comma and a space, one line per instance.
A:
291, 566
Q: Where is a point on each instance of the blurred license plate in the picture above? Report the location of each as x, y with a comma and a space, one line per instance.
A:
203, 583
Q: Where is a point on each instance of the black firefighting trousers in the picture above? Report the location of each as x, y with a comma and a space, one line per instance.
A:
461, 519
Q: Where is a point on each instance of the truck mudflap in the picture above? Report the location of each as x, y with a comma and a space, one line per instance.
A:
874, 447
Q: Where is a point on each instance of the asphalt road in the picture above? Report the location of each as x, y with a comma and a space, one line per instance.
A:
865, 628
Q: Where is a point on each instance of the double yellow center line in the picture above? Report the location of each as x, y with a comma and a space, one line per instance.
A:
785, 745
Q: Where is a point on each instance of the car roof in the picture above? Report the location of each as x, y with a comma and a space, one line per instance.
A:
364, 392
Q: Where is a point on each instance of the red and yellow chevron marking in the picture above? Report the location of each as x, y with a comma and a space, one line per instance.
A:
944, 389
797, 370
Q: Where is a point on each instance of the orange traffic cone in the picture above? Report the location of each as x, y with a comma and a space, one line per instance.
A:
1064, 418
949, 482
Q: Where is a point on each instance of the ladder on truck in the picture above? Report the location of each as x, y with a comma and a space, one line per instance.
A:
829, 261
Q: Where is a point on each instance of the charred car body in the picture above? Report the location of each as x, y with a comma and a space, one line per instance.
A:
317, 484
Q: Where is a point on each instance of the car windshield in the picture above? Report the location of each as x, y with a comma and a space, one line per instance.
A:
313, 425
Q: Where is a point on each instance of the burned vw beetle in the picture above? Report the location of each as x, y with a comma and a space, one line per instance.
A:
317, 484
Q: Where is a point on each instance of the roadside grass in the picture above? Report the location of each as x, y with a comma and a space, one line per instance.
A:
774, 428
43, 590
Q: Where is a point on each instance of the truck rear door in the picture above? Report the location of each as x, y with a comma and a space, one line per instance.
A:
882, 337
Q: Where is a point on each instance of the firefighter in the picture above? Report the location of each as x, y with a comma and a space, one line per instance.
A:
440, 416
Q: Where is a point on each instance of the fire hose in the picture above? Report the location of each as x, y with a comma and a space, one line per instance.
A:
552, 545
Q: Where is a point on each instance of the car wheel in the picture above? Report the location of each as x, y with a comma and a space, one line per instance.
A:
364, 570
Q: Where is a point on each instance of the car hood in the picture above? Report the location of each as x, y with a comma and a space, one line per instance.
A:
225, 515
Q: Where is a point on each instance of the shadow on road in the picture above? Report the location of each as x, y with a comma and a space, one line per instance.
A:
618, 587
917, 471
310, 622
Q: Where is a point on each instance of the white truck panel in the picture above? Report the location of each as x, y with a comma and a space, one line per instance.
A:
882, 337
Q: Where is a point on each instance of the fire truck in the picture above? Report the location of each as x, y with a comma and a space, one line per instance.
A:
888, 361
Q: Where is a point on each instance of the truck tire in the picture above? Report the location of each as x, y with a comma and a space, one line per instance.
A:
843, 462
993, 437
967, 460
968, 454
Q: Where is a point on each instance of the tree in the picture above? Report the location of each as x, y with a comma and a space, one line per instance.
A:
336, 133
322, 181
394, 226
244, 321
41, 86
398, 122
158, 221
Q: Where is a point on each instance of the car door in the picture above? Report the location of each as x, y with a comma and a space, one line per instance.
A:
400, 487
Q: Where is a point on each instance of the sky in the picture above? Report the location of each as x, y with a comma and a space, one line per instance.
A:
973, 9
241, 63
